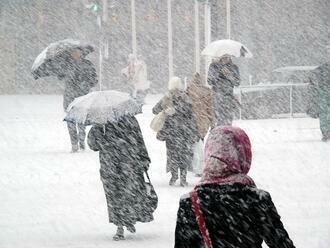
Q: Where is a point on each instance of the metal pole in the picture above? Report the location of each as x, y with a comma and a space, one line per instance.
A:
240, 102
207, 32
291, 109
134, 42
105, 10
170, 38
228, 18
197, 38
100, 65
99, 22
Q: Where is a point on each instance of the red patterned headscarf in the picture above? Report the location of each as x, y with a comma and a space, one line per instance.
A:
228, 157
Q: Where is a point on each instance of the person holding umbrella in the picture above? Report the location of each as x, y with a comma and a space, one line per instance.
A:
124, 159
79, 78
223, 76
66, 60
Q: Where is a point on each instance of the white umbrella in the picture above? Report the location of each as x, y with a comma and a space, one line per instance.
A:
226, 47
49, 60
99, 107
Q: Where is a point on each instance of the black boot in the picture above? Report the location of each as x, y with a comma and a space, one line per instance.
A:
183, 178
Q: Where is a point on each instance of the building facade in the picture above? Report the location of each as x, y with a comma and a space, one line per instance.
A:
279, 33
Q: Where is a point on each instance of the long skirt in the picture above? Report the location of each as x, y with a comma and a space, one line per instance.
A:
125, 193
224, 109
179, 156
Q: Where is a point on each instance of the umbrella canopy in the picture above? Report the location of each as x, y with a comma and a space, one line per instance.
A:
226, 47
99, 107
52, 60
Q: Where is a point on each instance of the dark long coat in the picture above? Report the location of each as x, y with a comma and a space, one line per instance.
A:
179, 130
222, 78
79, 78
322, 97
235, 215
124, 159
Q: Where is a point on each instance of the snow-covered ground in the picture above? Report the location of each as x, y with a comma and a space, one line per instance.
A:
50, 197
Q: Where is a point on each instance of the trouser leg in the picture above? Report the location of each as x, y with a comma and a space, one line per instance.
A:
82, 135
73, 133
175, 175
183, 177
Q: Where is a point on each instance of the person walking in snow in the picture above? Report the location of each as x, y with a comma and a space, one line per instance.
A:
203, 111
124, 160
321, 83
137, 76
223, 75
226, 209
80, 77
179, 130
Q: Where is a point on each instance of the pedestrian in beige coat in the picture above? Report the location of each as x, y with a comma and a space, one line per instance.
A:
202, 104
204, 115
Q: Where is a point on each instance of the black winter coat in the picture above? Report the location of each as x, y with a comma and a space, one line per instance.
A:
79, 78
124, 159
236, 216
223, 77
179, 130
181, 127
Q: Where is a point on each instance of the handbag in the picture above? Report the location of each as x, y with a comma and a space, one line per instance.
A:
200, 219
158, 121
152, 198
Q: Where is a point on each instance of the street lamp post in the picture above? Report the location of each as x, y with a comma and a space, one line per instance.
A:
228, 18
207, 32
197, 38
134, 41
170, 38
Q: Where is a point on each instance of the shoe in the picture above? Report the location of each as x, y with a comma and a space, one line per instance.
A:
183, 183
119, 235
172, 181
74, 148
131, 228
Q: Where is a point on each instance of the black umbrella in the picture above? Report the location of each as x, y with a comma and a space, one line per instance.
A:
52, 61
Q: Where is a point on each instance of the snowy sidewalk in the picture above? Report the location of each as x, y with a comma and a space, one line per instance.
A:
52, 198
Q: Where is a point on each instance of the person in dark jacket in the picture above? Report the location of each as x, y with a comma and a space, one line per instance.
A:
80, 76
124, 160
322, 98
223, 75
226, 209
179, 130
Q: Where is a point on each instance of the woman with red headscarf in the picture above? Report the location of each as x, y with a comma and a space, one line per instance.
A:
226, 209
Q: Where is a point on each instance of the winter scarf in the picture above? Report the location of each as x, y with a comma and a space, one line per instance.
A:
228, 157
